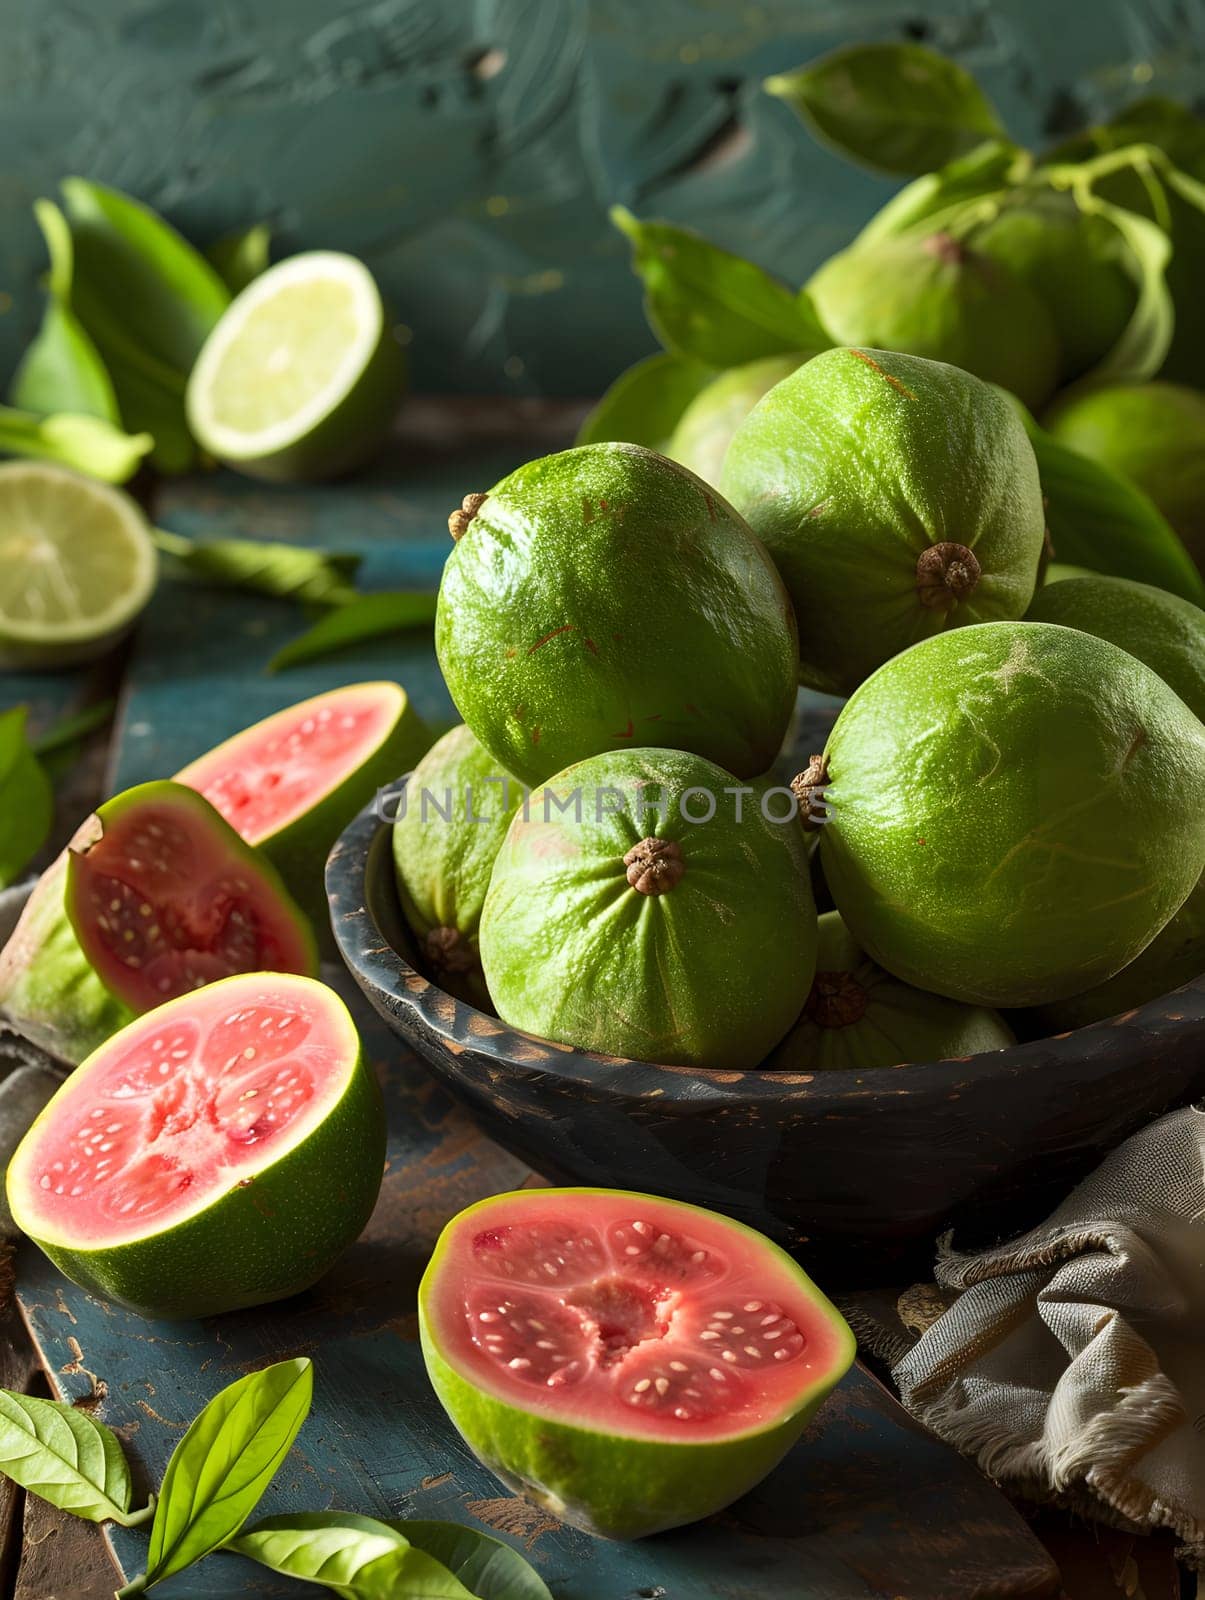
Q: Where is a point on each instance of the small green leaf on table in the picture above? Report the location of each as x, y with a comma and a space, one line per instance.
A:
62, 370
221, 1467
356, 1557
290, 572
899, 108
89, 444
371, 616
645, 403
66, 1457
488, 1568
238, 258
711, 306
26, 800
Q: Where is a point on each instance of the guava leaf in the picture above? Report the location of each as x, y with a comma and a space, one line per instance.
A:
26, 799
1146, 339
223, 1464
710, 306
1155, 120
62, 370
356, 1557
89, 444
64, 1456
370, 616
1101, 520
986, 171
488, 1568
58, 748
287, 571
238, 258
899, 108
644, 403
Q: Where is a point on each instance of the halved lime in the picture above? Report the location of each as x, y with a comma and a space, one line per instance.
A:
301, 376
77, 565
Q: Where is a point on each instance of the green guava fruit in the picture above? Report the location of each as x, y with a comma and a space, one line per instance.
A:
1163, 630
858, 1016
705, 430
219, 1152
930, 295
1010, 813
605, 598
1060, 571
155, 896
643, 905
899, 497
1154, 433
457, 807
628, 1363
291, 783
1174, 956
1071, 261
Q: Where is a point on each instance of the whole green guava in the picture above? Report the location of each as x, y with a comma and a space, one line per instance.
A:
899, 498
457, 807
644, 905
1010, 813
705, 429
1163, 630
606, 598
1154, 433
930, 295
1071, 261
858, 1016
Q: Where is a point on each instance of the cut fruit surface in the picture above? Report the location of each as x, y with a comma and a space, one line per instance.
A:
217, 1152
164, 897
77, 565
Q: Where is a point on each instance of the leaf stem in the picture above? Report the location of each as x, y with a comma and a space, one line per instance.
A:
135, 1519
136, 1586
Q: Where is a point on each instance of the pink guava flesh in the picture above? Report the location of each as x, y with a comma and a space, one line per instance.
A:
268, 776
618, 1312
161, 906
182, 1106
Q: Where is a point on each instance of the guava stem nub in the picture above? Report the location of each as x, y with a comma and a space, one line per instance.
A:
837, 1000
468, 508
945, 574
808, 789
447, 951
655, 865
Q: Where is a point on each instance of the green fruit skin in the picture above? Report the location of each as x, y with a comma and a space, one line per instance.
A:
443, 866
1015, 811
701, 439
849, 470
1060, 571
573, 953
606, 598
262, 1240
1069, 261
1154, 433
614, 1486
49, 990
1174, 957
929, 296
1163, 630
899, 1023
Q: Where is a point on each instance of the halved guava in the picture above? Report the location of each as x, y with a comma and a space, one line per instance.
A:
606, 598
455, 812
219, 1152
858, 1015
1010, 813
291, 783
155, 895
898, 496
646, 904
629, 1363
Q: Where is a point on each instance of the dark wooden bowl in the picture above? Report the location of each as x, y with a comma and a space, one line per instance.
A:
858, 1173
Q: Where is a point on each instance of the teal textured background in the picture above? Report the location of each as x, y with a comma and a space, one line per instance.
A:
469, 149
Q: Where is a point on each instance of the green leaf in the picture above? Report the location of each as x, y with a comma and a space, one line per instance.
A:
86, 443
988, 170
1156, 120
644, 403
62, 370
223, 1464
898, 108
238, 258
488, 1568
356, 1557
371, 616
288, 571
65, 1456
26, 798
1142, 347
1100, 520
59, 748
713, 307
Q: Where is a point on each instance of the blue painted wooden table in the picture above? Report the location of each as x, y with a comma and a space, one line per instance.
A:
867, 1505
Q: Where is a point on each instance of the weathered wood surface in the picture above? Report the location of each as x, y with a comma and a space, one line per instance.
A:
867, 1506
